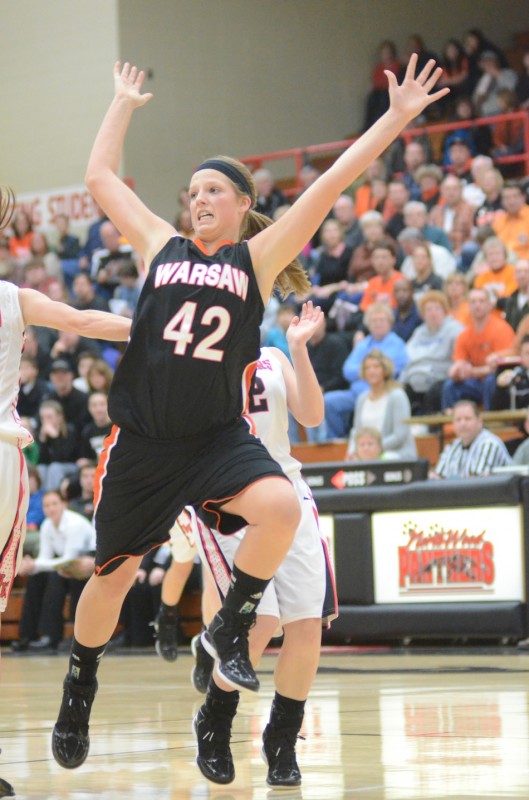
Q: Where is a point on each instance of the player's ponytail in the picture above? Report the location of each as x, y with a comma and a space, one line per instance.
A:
7, 205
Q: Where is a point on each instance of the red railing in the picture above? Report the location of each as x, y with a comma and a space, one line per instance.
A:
300, 155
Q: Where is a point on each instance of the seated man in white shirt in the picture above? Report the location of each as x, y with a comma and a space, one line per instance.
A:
63, 565
443, 261
475, 451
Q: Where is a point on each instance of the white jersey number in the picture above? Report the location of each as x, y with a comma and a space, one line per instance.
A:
178, 330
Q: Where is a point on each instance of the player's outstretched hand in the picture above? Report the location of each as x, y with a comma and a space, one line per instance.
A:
128, 82
303, 326
413, 94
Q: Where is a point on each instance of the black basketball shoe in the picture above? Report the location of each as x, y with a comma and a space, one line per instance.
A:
70, 741
226, 639
213, 732
204, 663
279, 753
166, 634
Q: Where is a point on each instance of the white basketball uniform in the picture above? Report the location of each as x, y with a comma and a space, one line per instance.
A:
303, 586
14, 486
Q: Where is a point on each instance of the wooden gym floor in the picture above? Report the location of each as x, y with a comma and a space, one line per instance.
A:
380, 725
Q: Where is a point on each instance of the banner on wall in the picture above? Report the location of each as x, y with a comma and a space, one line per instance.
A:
448, 555
74, 201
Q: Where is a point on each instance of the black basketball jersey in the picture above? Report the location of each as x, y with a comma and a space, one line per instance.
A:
195, 330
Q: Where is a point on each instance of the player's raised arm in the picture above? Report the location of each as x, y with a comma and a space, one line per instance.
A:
275, 247
37, 309
146, 232
304, 395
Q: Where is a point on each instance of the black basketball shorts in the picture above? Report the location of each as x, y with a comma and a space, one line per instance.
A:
143, 484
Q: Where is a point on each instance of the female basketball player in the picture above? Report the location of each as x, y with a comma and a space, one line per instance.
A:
302, 590
18, 308
175, 401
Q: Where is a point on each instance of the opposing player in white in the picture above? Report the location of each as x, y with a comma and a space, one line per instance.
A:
302, 591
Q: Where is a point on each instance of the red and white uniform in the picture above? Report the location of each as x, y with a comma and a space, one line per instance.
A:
14, 488
303, 586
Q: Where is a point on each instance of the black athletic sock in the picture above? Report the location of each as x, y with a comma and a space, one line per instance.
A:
286, 713
168, 612
219, 701
245, 592
84, 662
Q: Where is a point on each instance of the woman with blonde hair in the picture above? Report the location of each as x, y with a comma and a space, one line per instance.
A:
99, 376
383, 406
456, 290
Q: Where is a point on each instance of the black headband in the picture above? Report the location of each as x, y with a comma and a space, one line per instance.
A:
229, 171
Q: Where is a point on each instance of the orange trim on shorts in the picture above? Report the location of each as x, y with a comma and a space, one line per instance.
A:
101, 469
247, 378
227, 499
98, 570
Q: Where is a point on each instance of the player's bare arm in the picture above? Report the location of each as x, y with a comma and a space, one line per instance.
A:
145, 231
276, 246
37, 309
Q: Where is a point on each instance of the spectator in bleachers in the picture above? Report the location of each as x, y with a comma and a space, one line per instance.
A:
33, 389
143, 601
360, 268
69, 347
429, 178
67, 245
492, 185
460, 152
507, 135
85, 294
9, 271
339, 405
56, 290
93, 239
330, 267
20, 241
381, 287
456, 290
63, 565
454, 215
344, 212
398, 197
512, 385
473, 192
378, 98
368, 446
516, 306
35, 513
425, 278
74, 403
83, 503
475, 451
327, 354
416, 45
99, 376
34, 347
95, 432
512, 224
416, 216
494, 78
372, 192
384, 406
454, 62
58, 445
40, 249
499, 279
522, 84
84, 362
407, 317
444, 262
35, 275
430, 351
269, 197
277, 336
107, 260
476, 43
477, 137
472, 375
127, 294
414, 157
183, 223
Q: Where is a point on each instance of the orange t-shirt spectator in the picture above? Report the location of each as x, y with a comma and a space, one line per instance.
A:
380, 289
512, 225
499, 279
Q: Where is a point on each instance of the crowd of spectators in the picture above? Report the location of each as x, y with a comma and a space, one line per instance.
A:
422, 270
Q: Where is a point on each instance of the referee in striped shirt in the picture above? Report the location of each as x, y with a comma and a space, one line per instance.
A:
475, 451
